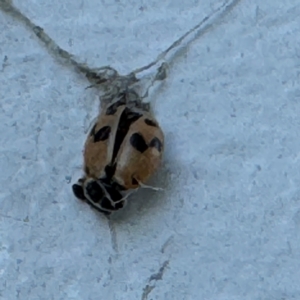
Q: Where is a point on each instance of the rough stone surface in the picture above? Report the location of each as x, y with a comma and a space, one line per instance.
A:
226, 225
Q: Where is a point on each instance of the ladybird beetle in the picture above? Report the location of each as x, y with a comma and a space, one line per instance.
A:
122, 150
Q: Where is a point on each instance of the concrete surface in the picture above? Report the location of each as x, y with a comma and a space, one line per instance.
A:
226, 225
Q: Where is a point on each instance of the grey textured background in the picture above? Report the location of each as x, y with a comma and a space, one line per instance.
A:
226, 225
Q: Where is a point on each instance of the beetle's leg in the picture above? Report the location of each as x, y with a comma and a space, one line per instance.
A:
160, 75
107, 205
144, 186
103, 211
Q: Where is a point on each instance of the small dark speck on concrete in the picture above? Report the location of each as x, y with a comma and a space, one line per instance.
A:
159, 274
146, 291
195, 174
68, 178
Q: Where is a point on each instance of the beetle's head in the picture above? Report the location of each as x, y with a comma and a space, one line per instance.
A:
99, 195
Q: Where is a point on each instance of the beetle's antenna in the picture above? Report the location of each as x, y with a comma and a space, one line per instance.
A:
192, 34
59, 53
161, 74
8, 7
144, 186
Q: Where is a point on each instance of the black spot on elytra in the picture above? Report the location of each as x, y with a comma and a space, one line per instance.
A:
126, 119
78, 191
138, 142
102, 134
112, 109
150, 123
94, 191
110, 171
156, 143
134, 181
